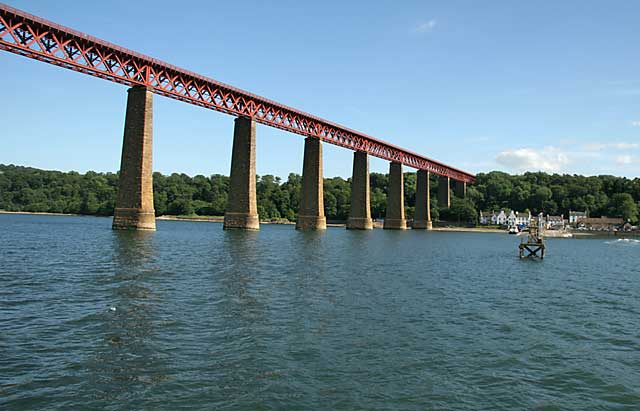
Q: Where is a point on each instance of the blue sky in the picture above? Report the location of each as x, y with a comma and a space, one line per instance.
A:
513, 86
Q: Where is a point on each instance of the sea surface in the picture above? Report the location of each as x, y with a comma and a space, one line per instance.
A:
194, 317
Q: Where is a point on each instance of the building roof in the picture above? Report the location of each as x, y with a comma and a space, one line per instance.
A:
523, 215
578, 213
487, 213
602, 220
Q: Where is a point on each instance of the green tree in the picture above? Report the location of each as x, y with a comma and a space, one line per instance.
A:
180, 207
623, 205
30, 189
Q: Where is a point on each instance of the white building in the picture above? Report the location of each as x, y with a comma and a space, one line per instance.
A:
575, 215
501, 218
487, 217
505, 217
555, 221
523, 219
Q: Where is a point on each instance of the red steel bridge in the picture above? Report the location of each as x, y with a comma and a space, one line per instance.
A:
39, 39
36, 38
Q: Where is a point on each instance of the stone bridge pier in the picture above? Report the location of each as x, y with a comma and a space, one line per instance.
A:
134, 203
242, 206
134, 207
460, 188
422, 215
444, 192
311, 212
360, 211
395, 219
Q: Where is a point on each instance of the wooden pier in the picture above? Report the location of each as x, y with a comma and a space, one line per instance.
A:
533, 246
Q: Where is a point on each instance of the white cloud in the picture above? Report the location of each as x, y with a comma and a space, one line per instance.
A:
595, 146
425, 27
635, 123
616, 146
625, 160
625, 146
550, 159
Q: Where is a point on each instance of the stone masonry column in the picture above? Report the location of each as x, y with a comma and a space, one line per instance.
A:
311, 213
394, 219
360, 211
422, 217
460, 188
444, 193
242, 207
134, 203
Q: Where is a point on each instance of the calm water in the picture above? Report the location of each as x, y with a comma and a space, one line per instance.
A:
193, 317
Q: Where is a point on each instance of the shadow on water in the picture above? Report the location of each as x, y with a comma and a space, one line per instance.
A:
235, 318
308, 282
241, 255
127, 362
269, 290
312, 289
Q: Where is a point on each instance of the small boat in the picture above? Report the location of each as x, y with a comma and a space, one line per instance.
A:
514, 229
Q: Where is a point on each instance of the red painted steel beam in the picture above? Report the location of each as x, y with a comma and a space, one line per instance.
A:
42, 40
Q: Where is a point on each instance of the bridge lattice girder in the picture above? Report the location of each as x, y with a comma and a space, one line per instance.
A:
39, 39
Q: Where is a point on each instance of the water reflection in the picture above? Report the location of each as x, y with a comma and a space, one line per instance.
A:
237, 317
313, 291
275, 300
127, 359
242, 253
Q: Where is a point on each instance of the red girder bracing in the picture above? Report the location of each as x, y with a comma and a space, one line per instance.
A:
39, 39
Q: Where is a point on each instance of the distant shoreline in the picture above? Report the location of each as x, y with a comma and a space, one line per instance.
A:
211, 219
220, 219
377, 224
45, 213
470, 230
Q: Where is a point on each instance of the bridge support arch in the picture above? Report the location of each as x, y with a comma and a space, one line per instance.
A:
422, 216
360, 210
395, 219
134, 204
311, 214
242, 206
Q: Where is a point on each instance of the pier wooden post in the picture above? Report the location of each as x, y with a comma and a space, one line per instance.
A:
534, 243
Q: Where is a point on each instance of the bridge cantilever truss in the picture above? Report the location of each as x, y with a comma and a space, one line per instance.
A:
39, 39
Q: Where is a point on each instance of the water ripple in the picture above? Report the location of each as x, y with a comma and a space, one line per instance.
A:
195, 317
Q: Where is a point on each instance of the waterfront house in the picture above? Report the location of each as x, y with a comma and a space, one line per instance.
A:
501, 218
523, 219
555, 222
603, 223
487, 217
575, 215
506, 217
